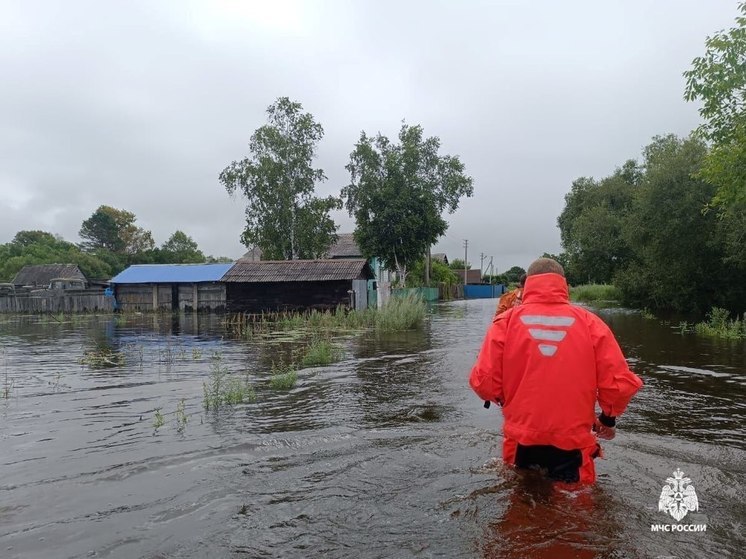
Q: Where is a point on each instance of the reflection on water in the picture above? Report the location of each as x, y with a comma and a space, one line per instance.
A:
386, 453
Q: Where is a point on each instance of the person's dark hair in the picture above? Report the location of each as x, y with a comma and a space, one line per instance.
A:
545, 266
522, 280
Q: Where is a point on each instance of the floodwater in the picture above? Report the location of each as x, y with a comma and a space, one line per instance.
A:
384, 454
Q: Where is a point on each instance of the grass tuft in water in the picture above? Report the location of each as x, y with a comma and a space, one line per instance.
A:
647, 314
401, 313
102, 357
158, 419
225, 389
284, 377
181, 417
720, 325
321, 351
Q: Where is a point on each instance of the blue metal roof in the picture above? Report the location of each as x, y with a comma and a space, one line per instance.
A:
172, 273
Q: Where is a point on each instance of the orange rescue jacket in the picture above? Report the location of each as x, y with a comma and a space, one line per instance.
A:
509, 300
548, 362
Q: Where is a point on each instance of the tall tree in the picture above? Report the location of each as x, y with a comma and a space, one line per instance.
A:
283, 217
718, 80
398, 193
591, 224
114, 230
180, 248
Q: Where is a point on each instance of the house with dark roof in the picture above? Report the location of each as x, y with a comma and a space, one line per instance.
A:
439, 257
345, 247
473, 277
41, 275
171, 287
293, 285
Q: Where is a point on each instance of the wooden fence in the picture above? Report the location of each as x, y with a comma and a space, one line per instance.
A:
57, 301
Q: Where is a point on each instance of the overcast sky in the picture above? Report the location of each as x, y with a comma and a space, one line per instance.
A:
140, 105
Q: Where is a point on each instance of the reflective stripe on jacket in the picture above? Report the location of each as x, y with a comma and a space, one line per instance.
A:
548, 362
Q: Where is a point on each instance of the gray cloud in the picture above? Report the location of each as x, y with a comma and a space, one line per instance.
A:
139, 105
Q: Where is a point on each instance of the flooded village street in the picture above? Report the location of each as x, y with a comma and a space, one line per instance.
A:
386, 453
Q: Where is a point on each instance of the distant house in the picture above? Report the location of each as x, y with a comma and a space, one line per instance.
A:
41, 275
439, 257
253, 255
148, 287
473, 277
292, 285
345, 247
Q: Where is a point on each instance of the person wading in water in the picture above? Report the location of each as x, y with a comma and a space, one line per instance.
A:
548, 363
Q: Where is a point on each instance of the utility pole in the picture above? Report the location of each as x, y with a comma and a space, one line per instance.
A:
490, 268
481, 263
466, 249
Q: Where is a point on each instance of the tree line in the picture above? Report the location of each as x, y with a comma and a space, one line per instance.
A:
670, 230
111, 242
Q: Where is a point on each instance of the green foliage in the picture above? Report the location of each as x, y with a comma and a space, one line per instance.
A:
225, 389
458, 264
398, 193
718, 80
158, 419
644, 230
591, 225
439, 273
181, 417
180, 248
283, 217
513, 275
647, 314
321, 351
284, 377
405, 312
720, 325
592, 293
676, 248
114, 230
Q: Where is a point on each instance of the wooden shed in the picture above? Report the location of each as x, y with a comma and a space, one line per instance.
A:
186, 287
41, 275
293, 285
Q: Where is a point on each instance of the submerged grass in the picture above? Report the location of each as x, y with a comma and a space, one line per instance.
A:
321, 351
284, 377
595, 292
102, 357
720, 325
225, 389
400, 313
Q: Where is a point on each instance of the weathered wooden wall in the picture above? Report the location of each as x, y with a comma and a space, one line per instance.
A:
67, 301
286, 296
141, 297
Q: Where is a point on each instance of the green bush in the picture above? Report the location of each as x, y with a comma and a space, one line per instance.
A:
594, 292
719, 325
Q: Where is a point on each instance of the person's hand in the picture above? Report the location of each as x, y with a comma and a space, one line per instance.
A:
604, 432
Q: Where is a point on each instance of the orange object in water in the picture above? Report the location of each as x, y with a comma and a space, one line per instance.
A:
548, 362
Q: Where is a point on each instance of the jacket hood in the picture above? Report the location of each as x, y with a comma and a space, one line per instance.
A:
546, 288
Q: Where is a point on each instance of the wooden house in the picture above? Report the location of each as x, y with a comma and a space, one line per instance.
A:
473, 277
172, 287
41, 276
292, 285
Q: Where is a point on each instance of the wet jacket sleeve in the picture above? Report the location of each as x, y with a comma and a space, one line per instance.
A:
616, 383
486, 377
